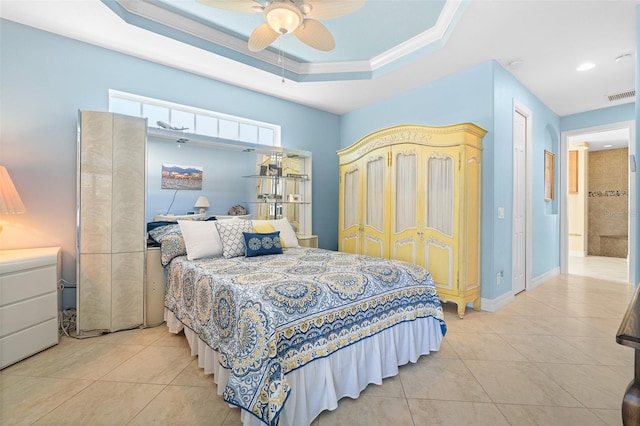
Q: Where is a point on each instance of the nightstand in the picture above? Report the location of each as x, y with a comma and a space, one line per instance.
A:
28, 302
308, 241
155, 289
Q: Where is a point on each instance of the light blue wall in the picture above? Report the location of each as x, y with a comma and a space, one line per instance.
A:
598, 117
45, 80
484, 95
220, 183
544, 214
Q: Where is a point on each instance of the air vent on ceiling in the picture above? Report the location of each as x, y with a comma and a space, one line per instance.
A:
622, 95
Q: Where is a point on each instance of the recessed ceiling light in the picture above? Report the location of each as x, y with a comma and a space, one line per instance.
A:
586, 66
607, 146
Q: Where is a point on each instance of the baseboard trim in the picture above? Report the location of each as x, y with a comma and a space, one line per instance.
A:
577, 253
535, 282
492, 305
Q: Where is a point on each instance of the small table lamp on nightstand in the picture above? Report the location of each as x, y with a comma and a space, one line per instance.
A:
202, 203
10, 202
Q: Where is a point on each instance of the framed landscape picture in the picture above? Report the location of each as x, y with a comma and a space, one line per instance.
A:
175, 176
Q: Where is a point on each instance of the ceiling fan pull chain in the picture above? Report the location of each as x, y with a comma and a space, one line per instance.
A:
281, 57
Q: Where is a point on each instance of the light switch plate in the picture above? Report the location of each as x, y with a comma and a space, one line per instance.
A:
500, 212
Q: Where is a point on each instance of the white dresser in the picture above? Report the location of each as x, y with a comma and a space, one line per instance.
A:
28, 302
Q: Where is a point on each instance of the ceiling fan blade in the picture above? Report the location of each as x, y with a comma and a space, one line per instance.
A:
316, 35
262, 37
245, 6
323, 9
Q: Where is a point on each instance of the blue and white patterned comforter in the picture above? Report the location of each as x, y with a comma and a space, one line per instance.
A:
268, 315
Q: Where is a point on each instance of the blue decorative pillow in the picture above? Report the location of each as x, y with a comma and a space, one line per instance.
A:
260, 244
171, 242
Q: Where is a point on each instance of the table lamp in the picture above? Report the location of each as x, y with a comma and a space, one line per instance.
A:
10, 202
202, 203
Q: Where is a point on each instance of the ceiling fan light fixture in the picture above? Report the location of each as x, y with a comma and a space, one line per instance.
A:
283, 18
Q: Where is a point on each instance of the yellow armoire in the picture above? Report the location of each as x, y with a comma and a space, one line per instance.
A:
413, 193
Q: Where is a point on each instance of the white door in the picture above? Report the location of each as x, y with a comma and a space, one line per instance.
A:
519, 201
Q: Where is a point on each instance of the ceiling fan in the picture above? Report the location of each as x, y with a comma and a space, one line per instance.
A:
290, 16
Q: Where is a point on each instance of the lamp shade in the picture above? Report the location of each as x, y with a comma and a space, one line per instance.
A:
283, 18
202, 203
10, 202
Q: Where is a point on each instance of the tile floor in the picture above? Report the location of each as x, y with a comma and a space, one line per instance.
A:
548, 358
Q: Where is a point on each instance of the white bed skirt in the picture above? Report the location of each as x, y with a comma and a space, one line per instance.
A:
320, 384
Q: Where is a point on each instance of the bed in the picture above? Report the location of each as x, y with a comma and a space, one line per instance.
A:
289, 332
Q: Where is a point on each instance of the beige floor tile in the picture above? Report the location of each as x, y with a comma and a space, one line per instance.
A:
568, 326
154, 364
471, 323
233, 418
548, 349
610, 417
90, 360
483, 346
390, 387
594, 386
509, 324
53, 356
444, 379
193, 375
519, 383
607, 327
103, 403
184, 405
171, 339
605, 350
523, 306
144, 336
446, 351
368, 411
455, 413
529, 415
25, 399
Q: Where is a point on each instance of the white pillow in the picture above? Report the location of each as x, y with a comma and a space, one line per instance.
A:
201, 238
287, 234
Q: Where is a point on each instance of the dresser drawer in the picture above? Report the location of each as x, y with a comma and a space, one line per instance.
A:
22, 285
26, 313
27, 342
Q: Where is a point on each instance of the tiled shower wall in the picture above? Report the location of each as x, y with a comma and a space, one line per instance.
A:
608, 203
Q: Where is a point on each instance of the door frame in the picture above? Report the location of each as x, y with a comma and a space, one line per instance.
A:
564, 192
521, 109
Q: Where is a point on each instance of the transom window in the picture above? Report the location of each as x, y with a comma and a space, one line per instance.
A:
194, 120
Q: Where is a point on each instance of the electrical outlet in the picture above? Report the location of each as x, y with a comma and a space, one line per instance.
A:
499, 277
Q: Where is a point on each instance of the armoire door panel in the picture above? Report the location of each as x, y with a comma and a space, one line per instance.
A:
127, 293
349, 243
439, 261
96, 142
350, 217
94, 292
405, 238
128, 183
95, 213
376, 204
405, 250
375, 246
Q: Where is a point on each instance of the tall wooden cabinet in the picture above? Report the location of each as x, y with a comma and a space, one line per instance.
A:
111, 222
413, 193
